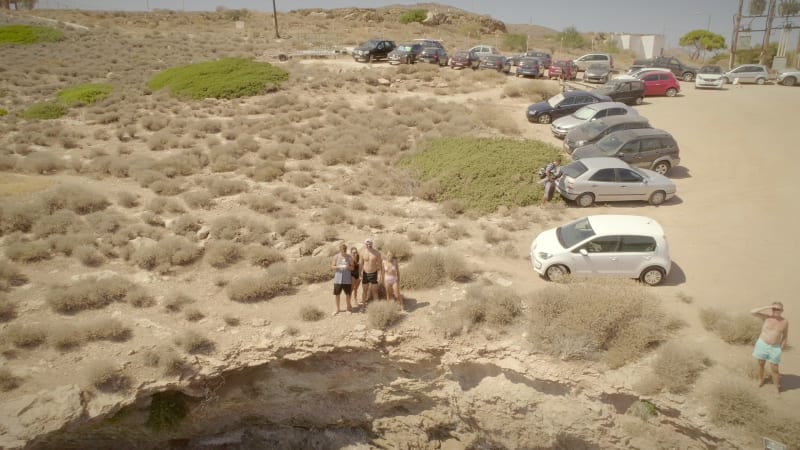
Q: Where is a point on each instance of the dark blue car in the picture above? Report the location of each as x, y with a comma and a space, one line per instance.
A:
562, 104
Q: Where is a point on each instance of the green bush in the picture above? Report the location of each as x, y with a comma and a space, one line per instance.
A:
515, 42
47, 110
414, 15
224, 78
3, 112
28, 34
85, 94
501, 172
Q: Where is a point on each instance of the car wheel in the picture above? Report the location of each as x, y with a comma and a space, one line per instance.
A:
557, 272
657, 198
789, 81
652, 276
688, 76
760, 81
585, 200
639, 100
368, 59
671, 92
545, 118
661, 168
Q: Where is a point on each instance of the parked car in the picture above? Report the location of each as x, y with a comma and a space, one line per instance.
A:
561, 105
565, 69
597, 73
595, 130
560, 127
464, 59
484, 50
709, 77
544, 57
529, 67
630, 91
434, 55
747, 73
649, 148
373, 49
679, 69
607, 179
660, 83
788, 77
495, 62
405, 53
594, 58
603, 246
638, 72
430, 43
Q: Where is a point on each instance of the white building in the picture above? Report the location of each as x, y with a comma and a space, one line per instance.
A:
644, 46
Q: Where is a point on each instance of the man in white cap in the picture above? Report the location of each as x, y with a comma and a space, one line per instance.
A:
373, 272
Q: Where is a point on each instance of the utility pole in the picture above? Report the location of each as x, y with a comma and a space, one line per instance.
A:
737, 22
275, 17
762, 59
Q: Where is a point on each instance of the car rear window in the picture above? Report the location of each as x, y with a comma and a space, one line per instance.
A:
637, 244
574, 169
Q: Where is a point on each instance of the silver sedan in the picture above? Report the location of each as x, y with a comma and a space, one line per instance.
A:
605, 179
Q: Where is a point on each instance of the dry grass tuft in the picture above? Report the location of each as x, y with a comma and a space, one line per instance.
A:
616, 319
8, 309
740, 328
194, 342
108, 329
193, 315
65, 337
262, 256
399, 247
176, 301
312, 269
26, 336
107, 378
221, 254
7, 380
676, 368
161, 256
425, 270
382, 314
231, 320
311, 313
165, 358
90, 293
256, 289
10, 276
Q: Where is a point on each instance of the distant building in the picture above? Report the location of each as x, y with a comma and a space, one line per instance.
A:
644, 46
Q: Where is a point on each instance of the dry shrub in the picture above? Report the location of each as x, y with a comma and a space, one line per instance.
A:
8, 309
65, 337
172, 250
89, 256
677, 366
231, 320
194, 342
227, 228
424, 270
300, 179
193, 314
310, 245
127, 199
220, 254
66, 243
107, 329
398, 246
90, 293
176, 300
199, 199
28, 251
186, 224
268, 171
10, 276
7, 380
159, 205
453, 208
334, 215
20, 216
25, 336
40, 163
74, 198
261, 203
382, 314
311, 313
139, 297
262, 256
165, 358
495, 236
616, 318
220, 187
256, 289
740, 328
312, 269
107, 378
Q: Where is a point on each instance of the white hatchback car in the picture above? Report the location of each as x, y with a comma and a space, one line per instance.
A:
605, 246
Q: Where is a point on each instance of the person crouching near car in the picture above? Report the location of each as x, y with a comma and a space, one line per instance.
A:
342, 265
551, 173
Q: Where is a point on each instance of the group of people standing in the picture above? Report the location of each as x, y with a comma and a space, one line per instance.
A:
367, 269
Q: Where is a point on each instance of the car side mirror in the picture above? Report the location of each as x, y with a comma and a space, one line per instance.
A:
583, 252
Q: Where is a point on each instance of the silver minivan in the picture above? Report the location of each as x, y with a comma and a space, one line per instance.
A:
747, 73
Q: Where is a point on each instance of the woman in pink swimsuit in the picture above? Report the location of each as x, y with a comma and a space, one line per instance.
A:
391, 278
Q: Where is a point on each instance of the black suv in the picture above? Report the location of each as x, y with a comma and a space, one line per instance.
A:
373, 49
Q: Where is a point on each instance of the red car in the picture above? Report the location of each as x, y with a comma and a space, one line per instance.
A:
565, 69
660, 83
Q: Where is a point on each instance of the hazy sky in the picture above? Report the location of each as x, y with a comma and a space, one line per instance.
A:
673, 18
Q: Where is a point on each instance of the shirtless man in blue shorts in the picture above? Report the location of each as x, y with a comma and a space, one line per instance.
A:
771, 342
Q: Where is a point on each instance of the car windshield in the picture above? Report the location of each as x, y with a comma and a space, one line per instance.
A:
585, 113
574, 169
711, 69
370, 44
609, 144
574, 233
555, 100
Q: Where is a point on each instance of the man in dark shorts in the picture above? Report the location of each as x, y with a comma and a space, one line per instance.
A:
342, 265
373, 272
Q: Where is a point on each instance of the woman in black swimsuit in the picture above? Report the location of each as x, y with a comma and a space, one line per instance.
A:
355, 274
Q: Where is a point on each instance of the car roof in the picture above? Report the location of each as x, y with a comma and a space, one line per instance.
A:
612, 224
604, 162
606, 105
641, 132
